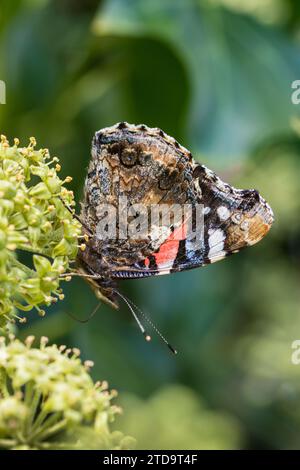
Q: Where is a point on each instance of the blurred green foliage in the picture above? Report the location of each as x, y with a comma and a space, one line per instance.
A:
175, 418
215, 74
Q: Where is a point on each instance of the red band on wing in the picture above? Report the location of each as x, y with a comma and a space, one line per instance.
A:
169, 249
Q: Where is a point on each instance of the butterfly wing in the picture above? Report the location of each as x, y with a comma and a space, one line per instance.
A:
233, 220
139, 166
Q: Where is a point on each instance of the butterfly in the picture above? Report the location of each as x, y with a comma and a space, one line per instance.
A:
147, 168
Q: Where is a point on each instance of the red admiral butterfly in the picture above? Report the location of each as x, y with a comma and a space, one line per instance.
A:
147, 167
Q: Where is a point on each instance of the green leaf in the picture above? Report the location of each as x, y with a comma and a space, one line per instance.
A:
240, 72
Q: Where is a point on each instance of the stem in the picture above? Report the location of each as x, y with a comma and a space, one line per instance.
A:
44, 433
3, 384
41, 421
32, 399
28, 393
17, 264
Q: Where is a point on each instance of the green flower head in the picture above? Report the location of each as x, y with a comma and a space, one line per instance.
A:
36, 215
48, 400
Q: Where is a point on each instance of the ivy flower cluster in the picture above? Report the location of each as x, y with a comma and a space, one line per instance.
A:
49, 401
35, 216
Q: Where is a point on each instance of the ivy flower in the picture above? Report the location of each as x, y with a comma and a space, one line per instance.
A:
48, 400
35, 216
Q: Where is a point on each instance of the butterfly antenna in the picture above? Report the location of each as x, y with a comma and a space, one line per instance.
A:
157, 331
132, 306
89, 317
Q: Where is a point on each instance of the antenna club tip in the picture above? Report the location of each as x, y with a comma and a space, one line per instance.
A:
148, 338
174, 351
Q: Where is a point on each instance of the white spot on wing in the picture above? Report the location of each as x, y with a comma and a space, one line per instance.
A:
223, 213
216, 244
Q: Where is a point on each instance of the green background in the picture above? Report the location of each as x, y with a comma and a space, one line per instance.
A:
217, 76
